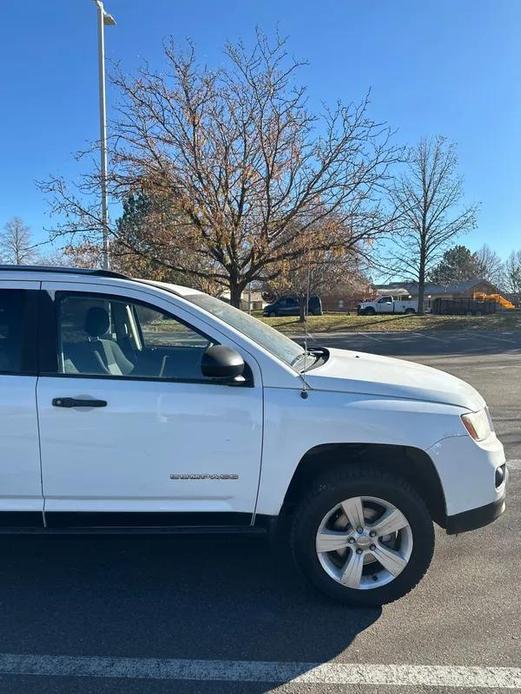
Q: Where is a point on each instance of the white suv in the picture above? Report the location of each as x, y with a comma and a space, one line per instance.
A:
130, 405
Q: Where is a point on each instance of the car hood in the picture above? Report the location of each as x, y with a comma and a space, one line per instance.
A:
358, 372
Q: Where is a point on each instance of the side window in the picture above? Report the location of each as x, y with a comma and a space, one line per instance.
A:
99, 335
12, 348
158, 329
385, 299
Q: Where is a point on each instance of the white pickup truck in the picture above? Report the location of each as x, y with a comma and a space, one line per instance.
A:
388, 304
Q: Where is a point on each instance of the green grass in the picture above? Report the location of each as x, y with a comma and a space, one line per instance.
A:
336, 322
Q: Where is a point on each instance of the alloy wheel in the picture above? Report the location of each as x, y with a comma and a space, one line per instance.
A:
364, 542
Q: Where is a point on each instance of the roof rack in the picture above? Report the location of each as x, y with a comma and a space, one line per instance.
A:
64, 270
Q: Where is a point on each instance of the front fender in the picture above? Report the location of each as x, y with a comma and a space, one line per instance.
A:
294, 425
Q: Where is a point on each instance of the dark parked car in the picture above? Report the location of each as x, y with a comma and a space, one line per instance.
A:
290, 306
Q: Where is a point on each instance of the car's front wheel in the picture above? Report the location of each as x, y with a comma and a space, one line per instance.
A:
362, 536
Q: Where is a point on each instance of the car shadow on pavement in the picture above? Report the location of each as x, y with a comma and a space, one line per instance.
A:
188, 597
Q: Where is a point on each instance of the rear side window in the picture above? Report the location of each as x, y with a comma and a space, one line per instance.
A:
16, 346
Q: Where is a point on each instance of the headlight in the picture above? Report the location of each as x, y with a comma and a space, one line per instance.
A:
478, 424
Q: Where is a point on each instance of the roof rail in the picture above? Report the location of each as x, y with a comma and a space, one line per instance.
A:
64, 270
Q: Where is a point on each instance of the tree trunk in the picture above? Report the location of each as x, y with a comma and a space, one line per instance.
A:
302, 309
421, 286
235, 293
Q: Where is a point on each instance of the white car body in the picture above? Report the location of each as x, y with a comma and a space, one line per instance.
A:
168, 448
389, 304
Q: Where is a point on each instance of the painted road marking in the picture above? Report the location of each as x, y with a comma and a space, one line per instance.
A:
429, 337
370, 336
494, 336
259, 671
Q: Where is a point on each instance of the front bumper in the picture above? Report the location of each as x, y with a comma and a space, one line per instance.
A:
475, 518
474, 494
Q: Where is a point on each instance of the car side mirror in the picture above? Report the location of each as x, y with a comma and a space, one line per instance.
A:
222, 363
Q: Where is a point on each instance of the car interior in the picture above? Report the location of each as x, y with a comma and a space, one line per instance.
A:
108, 337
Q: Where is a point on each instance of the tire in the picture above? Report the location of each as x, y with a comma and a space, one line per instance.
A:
368, 311
409, 311
351, 483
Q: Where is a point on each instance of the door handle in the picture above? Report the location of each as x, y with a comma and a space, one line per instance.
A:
78, 402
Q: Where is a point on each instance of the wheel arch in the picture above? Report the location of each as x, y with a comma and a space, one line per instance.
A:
414, 464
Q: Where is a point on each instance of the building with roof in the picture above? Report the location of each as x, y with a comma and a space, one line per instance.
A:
465, 289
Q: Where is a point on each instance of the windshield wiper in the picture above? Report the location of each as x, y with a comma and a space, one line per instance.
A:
319, 354
298, 358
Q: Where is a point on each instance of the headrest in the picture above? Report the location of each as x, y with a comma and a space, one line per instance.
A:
97, 321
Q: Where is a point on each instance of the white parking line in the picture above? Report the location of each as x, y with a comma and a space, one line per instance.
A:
259, 671
428, 337
373, 337
493, 336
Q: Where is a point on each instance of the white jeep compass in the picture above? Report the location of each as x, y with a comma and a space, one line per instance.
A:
133, 405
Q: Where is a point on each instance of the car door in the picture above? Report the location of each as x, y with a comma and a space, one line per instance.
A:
385, 304
290, 307
282, 307
131, 432
21, 501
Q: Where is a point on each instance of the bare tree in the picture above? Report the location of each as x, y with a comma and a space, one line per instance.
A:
428, 197
242, 161
135, 249
16, 244
491, 266
513, 275
83, 255
312, 272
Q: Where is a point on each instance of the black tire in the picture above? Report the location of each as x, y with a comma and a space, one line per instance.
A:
409, 310
344, 484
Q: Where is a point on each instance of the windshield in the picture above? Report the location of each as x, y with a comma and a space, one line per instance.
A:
274, 342
267, 337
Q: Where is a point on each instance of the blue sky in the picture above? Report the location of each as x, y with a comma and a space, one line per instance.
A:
434, 66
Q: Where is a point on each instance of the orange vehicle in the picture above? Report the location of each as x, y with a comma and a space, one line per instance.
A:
504, 303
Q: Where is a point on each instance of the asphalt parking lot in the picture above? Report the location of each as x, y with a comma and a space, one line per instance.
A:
208, 614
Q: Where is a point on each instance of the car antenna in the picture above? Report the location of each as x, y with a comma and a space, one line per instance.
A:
305, 387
